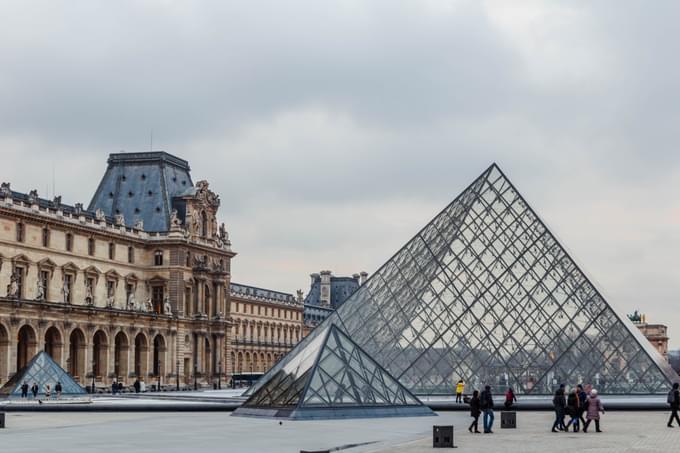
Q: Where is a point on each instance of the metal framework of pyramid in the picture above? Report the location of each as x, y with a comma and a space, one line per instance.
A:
41, 370
332, 378
486, 293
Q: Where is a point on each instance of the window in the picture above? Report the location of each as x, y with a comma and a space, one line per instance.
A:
69, 242
20, 232
188, 263
90, 246
258, 309
204, 224
158, 258
131, 255
112, 251
157, 299
129, 289
110, 288
19, 273
46, 237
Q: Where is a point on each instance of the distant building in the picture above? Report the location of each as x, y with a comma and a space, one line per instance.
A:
326, 294
657, 334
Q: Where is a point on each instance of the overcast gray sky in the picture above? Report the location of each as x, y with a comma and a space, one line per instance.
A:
334, 130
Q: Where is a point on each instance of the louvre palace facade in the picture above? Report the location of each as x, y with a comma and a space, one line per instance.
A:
135, 286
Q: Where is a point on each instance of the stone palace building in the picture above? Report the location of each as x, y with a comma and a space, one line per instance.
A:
136, 285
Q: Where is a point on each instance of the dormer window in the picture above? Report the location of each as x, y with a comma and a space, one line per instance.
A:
158, 258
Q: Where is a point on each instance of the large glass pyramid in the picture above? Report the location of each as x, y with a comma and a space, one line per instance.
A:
332, 378
41, 370
486, 293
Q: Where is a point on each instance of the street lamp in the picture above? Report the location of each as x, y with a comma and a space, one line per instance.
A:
177, 373
93, 386
195, 371
158, 369
219, 375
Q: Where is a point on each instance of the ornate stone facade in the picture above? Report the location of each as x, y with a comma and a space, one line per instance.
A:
266, 325
106, 297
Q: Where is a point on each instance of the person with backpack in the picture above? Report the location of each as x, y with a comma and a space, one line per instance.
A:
559, 403
475, 411
674, 401
510, 398
594, 409
460, 387
486, 404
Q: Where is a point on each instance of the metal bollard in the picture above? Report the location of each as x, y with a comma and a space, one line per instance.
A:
2, 419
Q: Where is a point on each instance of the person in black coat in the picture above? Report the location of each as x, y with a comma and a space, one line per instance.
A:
24, 390
573, 408
674, 398
486, 404
475, 411
137, 385
34, 390
559, 403
583, 403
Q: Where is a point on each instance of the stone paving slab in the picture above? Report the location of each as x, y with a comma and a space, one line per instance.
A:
219, 432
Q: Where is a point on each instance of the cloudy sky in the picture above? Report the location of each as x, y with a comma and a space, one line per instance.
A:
334, 130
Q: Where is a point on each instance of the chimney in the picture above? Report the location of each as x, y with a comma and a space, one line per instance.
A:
356, 277
314, 278
364, 277
325, 297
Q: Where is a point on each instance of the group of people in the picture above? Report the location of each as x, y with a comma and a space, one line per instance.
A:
482, 403
575, 404
35, 390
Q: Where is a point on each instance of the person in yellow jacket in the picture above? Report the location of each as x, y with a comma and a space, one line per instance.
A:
460, 387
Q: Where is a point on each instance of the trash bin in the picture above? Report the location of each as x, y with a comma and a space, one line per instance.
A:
442, 436
508, 419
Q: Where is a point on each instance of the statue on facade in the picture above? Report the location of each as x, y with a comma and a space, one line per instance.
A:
146, 306
5, 190
195, 223
56, 201
299, 296
175, 222
139, 224
99, 214
167, 308
78, 207
33, 197
39, 290
131, 302
66, 292
89, 296
119, 220
111, 300
13, 287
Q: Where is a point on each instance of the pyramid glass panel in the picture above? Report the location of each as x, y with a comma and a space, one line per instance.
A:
341, 380
486, 293
41, 370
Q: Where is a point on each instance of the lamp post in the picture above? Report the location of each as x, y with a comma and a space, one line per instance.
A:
158, 368
93, 385
177, 373
219, 375
195, 371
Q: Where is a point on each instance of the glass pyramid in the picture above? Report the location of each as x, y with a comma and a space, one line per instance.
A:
41, 370
332, 378
486, 293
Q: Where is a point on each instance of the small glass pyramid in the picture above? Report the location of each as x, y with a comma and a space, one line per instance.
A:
486, 293
41, 370
332, 378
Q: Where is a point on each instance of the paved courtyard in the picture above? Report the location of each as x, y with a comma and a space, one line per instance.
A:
219, 432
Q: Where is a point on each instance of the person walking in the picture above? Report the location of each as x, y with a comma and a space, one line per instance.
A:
24, 390
137, 385
114, 387
674, 401
460, 388
594, 409
58, 389
48, 391
475, 411
486, 404
583, 403
34, 390
573, 410
559, 404
510, 398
